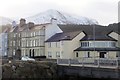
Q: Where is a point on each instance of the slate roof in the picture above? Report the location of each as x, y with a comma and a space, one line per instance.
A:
100, 32
89, 29
63, 36
97, 49
115, 27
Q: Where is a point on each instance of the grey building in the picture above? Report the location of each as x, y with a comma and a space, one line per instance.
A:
3, 44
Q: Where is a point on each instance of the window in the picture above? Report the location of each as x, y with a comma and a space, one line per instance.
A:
76, 54
42, 52
24, 52
85, 44
61, 42
34, 33
23, 42
88, 54
10, 43
33, 42
49, 55
62, 54
102, 54
37, 33
98, 44
117, 54
42, 41
5, 53
31, 34
27, 43
19, 43
41, 32
37, 42
57, 44
13, 43
30, 42
13, 52
19, 34
49, 44
58, 54
14, 34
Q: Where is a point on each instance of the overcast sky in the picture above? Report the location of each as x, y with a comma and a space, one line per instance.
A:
104, 11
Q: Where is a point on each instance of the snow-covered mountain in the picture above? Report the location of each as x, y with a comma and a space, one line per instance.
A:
45, 17
62, 18
4, 21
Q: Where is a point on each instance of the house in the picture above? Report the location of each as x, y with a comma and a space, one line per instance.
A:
32, 42
33, 38
21, 37
14, 41
62, 45
93, 41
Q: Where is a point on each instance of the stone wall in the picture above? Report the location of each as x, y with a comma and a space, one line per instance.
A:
27, 70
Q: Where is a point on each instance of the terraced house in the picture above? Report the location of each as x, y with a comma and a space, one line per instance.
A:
32, 42
27, 39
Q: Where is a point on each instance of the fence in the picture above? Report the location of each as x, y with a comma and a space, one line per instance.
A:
101, 62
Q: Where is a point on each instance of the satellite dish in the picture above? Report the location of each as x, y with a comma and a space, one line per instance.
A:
14, 24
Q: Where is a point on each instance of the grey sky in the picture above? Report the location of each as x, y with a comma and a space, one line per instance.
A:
104, 11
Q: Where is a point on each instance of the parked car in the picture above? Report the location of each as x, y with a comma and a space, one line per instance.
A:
25, 58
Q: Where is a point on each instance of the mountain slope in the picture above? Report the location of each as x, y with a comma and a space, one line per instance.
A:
62, 18
4, 21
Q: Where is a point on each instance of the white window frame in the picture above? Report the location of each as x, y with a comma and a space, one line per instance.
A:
14, 52
57, 54
49, 54
34, 43
49, 44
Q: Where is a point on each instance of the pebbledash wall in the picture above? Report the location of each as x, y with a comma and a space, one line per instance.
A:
63, 49
115, 36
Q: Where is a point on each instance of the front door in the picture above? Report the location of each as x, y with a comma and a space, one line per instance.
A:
30, 53
102, 54
33, 53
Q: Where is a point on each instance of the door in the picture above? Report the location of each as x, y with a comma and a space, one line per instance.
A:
30, 53
33, 53
102, 54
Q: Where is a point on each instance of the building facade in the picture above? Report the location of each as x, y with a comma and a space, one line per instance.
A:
95, 41
63, 41
14, 44
28, 39
3, 44
62, 45
32, 43
97, 49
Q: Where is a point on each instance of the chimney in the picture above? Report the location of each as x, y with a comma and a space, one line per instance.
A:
53, 20
14, 24
30, 25
22, 22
